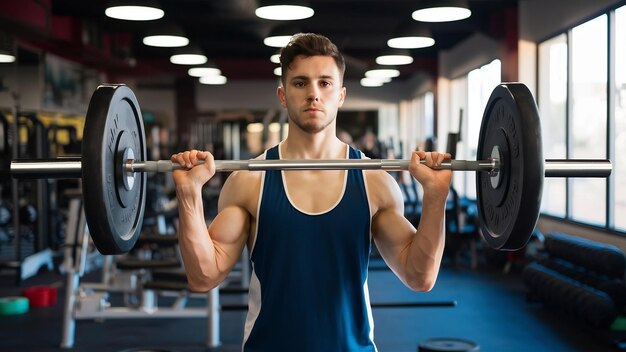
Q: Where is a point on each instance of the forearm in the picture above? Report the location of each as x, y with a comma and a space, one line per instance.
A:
426, 248
197, 248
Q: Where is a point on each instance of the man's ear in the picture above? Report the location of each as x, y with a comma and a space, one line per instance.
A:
280, 91
342, 97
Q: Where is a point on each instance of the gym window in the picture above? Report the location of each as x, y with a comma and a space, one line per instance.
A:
416, 122
582, 103
619, 122
469, 96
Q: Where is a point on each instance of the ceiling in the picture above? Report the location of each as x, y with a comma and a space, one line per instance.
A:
231, 35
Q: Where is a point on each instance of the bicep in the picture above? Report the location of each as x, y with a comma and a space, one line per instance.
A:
230, 227
392, 232
229, 232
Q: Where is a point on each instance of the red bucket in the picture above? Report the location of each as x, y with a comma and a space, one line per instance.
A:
41, 296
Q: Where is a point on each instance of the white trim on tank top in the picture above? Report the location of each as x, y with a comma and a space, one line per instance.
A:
343, 191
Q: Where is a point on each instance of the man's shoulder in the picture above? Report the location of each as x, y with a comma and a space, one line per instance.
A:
241, 189
381, 186
243, 180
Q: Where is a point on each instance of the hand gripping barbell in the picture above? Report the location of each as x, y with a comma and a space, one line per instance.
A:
113, 166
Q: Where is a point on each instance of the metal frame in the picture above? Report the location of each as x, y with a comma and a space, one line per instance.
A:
610, 121
568, 125
90, 301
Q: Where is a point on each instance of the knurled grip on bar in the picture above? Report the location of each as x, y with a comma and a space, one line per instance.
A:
311, 164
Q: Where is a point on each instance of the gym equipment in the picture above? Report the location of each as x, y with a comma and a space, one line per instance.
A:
41, 296
448, 345
13, 305
563, 293
603, 259
614, 288
509, 183
89, 300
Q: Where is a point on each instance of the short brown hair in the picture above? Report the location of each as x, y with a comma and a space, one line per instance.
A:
310, 44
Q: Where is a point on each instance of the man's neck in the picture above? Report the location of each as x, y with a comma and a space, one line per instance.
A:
302, 145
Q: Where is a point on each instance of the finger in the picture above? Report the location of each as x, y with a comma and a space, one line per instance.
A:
193, 157
434, 157
438, 158
428, 159
416, 156
184, 158
203, 155
209, 162
206, 157
178, 158
420, 154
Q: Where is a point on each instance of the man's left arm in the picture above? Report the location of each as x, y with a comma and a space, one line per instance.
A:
413, 255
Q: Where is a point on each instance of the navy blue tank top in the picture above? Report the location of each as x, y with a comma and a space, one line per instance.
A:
308, 290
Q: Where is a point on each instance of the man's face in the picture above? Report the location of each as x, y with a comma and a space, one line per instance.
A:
312, 92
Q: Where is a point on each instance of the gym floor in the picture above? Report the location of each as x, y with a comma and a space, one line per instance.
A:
491, 311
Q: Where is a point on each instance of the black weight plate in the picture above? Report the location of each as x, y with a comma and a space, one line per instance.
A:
448, 345
508, 212
114, 213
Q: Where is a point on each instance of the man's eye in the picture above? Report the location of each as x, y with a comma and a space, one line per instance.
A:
325, 84
299, 84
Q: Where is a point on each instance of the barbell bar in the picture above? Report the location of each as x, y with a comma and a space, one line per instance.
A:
113, 167
71, 168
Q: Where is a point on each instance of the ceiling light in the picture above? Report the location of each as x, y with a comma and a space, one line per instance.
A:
134, 13
279, 36
410, 42
442, 11
213, 80
278, 41
278, 71
7, 58
188, 59
166, 34
8, 48
284, 12
382, 73
275, 58
394, 60
412, 35
371, 82
381, 79
166, 41
189, 55
204, 71
395, 57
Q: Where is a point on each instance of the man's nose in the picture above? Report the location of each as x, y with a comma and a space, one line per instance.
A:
313, 94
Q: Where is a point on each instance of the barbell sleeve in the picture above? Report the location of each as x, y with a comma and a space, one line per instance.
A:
46, 168
577, 168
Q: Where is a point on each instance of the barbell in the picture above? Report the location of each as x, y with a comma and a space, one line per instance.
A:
113, 167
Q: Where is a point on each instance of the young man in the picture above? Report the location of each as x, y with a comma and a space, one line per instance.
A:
309, 232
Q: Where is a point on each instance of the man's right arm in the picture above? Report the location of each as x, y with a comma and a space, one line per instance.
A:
209, 254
